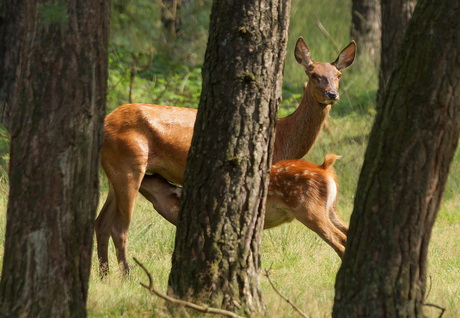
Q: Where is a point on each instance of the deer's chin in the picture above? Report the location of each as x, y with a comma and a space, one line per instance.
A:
330, 101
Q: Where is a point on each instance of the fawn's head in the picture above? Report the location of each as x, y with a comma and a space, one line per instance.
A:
324, 78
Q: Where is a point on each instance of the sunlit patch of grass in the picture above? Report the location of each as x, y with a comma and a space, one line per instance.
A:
302, 266
151, 242
444, 269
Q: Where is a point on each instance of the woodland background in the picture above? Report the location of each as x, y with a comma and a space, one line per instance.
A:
150, 64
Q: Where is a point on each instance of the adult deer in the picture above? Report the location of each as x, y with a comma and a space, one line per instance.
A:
155, 139
298, 189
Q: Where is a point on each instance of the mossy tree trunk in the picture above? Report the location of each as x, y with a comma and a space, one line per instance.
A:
410, 149
216, 257
396, 15
53, 86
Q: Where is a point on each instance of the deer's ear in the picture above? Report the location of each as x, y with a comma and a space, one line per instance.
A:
346, 57
302, 54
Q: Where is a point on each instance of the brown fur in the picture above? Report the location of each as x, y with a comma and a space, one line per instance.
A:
300, 189
141, 138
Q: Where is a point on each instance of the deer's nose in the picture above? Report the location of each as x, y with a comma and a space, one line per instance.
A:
332, 94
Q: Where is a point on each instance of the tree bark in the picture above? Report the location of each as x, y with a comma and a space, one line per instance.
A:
396, 15
216, 257
53, 86
366, 26
411, 146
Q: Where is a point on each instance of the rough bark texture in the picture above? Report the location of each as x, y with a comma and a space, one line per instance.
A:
216, 257
54, 62
365, 26
396, 15
411, 146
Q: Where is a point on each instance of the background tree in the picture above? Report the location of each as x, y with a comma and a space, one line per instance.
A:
365, 26
171, 17
410, 149
150, 64
396, 15
53, 83
216, 256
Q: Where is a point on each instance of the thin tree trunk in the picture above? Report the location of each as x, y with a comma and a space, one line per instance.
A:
216, 257
366, 26
396, 15
170, 16
411, 146
57, 52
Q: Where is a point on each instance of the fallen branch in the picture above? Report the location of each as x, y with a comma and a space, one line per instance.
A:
200, 308
433, 305
436, 306
267, 273
429, 289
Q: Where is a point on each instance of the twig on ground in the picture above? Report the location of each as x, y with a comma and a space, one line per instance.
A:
267, 273
433, 305
429, 289
436, 306
200, 308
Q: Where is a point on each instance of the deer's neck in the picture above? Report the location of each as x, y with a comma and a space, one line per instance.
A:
297, 133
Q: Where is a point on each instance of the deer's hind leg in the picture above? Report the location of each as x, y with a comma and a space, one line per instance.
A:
124, 164
126, 188
315, 217
337, 221
102, 228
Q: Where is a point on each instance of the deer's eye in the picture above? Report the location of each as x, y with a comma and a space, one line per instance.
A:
314, 77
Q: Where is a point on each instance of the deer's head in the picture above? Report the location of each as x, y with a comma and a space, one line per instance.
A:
324, 78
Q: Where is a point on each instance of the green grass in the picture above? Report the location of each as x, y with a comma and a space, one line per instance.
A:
302, 266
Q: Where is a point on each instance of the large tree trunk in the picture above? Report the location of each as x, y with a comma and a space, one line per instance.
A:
396, 15
405, 169
365, 26
55, 102
216, 256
